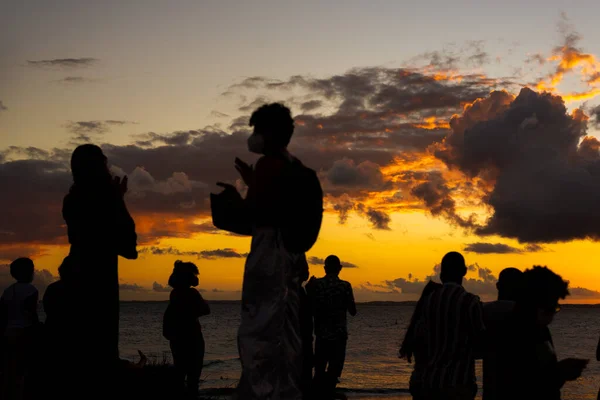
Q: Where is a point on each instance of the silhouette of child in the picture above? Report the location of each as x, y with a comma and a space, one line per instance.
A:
181, 326
18, 308
62, 307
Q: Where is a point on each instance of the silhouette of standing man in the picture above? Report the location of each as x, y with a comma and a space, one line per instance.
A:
100, 230
283, 213
451, 326
331, 299
497, 316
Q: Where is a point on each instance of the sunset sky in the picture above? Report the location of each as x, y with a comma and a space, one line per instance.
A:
434, 126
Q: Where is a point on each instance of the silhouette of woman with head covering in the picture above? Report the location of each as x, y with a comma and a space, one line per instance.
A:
99, 229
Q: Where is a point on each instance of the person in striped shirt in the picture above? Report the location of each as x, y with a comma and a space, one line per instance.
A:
450, 328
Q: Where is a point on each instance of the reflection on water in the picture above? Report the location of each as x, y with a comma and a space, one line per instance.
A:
375, 334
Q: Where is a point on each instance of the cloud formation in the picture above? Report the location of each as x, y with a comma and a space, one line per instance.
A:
321, 261
543, 186
479, 280
501, 248
84, 129
379, 219
41, 279
157, 287
203, 254
382, 140
131, 287
64, 62
74, 80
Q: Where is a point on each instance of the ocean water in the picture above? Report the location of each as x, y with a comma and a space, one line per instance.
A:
372, 365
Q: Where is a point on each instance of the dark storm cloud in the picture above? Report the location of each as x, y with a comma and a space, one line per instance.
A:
32, 211
379, 106
379, 219
546, 187
374, 115
345, 174
595, 114
343, 205
491, 248
437, 196
311, 105
64, 62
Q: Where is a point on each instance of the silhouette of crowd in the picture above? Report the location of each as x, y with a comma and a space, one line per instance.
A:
293, 333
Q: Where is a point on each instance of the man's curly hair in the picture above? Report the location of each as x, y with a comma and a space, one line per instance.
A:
277, 122
543, 287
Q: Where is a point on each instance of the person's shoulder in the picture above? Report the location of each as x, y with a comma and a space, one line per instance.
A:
6, 293
54, 286
270, 162
346, 284
28, 288
469, 296
473, 298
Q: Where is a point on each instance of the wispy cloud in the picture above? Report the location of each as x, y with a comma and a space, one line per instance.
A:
157, 287
74, 80
64, 62
131, 287
82, 130
501, 248
321, 261
203, 254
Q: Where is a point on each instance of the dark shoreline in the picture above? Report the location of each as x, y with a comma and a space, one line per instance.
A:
367, 303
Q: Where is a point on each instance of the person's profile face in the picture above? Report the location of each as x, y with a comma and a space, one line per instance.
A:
545, 315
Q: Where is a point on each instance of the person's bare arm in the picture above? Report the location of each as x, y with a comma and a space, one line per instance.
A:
351, 303
477, 326
202, 306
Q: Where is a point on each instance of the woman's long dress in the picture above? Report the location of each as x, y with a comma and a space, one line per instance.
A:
269, 337
99, 229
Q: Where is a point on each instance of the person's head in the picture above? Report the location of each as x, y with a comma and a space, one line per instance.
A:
333, 265
453, 268
68, 269
22, 270
184, 275
509, 284
273, 128
541, 291
89, 165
